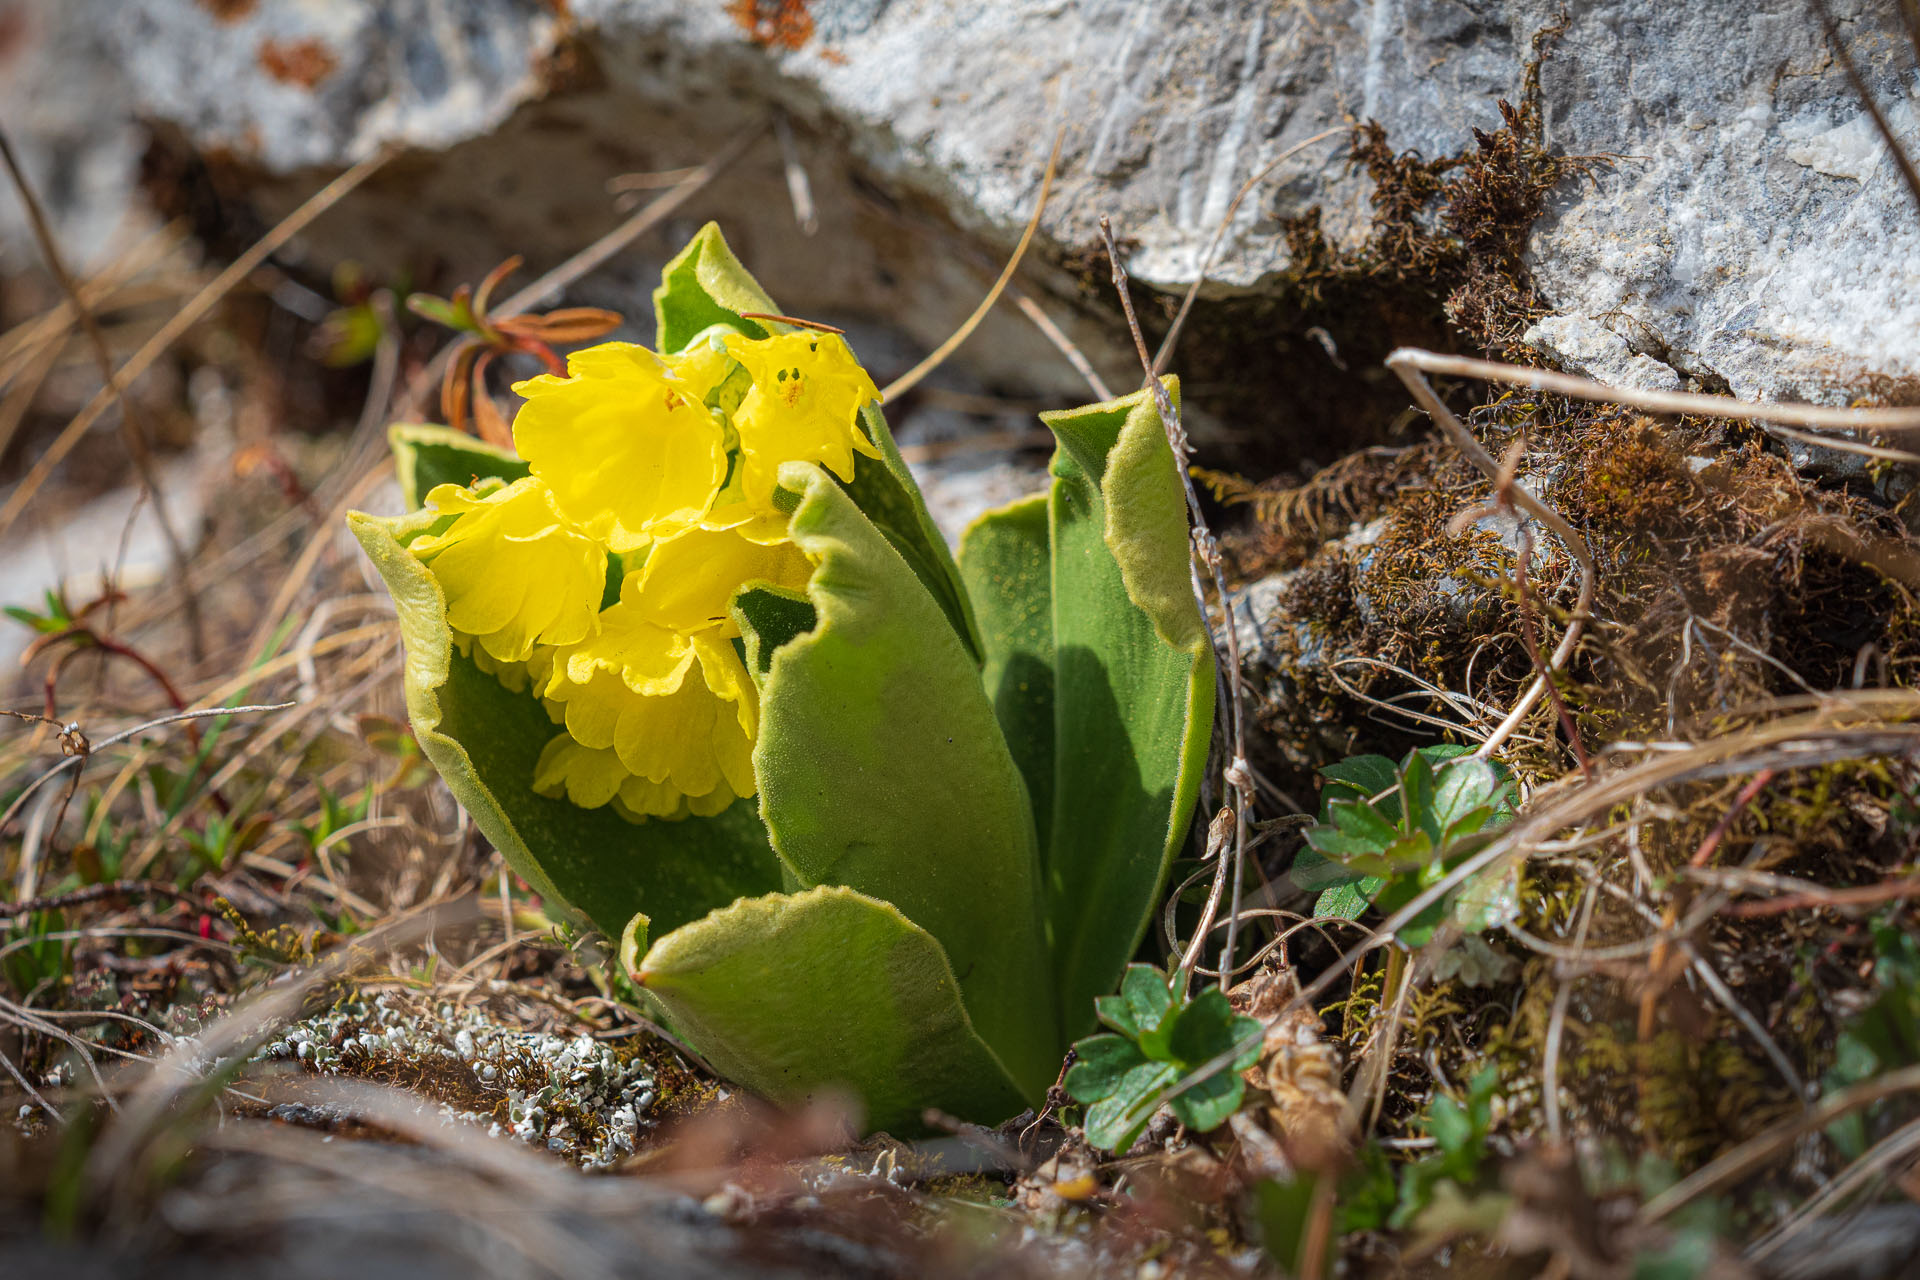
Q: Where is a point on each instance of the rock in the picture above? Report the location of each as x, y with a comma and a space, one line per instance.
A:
1741, 225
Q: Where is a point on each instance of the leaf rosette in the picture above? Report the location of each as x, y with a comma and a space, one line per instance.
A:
696, 660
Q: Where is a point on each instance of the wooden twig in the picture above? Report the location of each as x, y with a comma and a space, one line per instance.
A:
139, 446
911, 378
1226, 643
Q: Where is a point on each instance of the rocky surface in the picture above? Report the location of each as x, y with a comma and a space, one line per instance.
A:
1740, 227
1749, 228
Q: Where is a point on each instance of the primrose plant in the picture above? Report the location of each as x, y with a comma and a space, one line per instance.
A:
696, 660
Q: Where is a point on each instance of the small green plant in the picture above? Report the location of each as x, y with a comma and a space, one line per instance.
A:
696, 660
1159, 1040
1459, 1130
1882, 1037
1387, 833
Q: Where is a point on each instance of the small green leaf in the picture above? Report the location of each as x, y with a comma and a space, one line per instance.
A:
1349, 901
1103, 1062
1361, 778
793, 995
1114, 1122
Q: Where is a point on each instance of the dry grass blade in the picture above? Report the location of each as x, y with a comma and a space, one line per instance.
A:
938, 356
139, 446
183, 320
177, 1078
1406, 363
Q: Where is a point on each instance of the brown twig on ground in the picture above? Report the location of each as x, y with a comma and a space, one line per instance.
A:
183, 320
139, 442
1226, 644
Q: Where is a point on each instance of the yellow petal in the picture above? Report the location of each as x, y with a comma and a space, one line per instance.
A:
587, 777
689, 579
514, 574
625, 443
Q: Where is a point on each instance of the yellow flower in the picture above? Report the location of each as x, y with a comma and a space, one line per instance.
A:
625, 441
804, 406
675, 708
689, 579
591, 778
513, 572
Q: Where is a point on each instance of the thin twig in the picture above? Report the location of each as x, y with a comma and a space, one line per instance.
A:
1225, 644
911, 378
1669, 402
1165, 353
1061, 342
184, 319
1411, 366
139, 446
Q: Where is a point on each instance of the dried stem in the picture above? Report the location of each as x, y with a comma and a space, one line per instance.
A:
1226, 642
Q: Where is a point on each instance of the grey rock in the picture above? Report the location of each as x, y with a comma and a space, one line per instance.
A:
1745, 227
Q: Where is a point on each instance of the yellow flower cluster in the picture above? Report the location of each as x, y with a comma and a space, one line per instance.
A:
665, 465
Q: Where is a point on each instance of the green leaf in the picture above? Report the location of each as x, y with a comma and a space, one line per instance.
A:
1114, 1122
1103, 1062
703, 286
1349, 901
1464, 796
882, 768
1362, 823
425, 456
1361, 778
1133, 710
485, 739
793, 995
770, 617
884, 490
1006, 564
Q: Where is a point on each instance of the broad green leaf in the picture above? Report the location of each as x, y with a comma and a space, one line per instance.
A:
884, 490
1007, 567
792, 995
1133, 709
485, 739
425, 456
703, 286
882, 768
